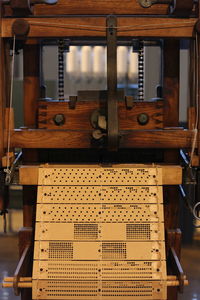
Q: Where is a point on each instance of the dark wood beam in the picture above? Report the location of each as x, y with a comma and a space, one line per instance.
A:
41, 138
69, 7
96, 27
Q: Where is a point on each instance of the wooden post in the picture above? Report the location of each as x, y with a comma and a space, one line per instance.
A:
198, 94
171, 119
2, 90
31, 82
31, 60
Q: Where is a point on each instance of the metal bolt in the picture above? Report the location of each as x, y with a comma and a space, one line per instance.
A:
59, 119
145, 3
143, 119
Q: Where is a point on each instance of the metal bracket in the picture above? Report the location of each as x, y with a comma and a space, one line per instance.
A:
10, 172
149, 3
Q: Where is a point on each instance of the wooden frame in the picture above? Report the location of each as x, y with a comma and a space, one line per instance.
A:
49, 22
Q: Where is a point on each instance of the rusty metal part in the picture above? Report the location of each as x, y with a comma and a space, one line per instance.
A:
149, 3
143, 118
59, 119
20, 28
97, 134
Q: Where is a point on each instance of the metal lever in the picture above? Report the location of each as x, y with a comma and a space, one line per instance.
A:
149, 3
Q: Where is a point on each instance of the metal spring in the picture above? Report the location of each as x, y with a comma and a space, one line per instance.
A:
61, 69
141, 73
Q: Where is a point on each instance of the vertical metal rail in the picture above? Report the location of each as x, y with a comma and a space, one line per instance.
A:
112, 105
61, 70
141, 72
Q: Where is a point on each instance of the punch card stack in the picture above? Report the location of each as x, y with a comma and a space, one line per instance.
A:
99, 233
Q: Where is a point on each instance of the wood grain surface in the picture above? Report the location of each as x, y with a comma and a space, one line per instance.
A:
80, 117
42, 138
96, 27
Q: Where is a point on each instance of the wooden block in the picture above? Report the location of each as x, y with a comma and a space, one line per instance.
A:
191, 117
80, 117
28, 175
8, 158
9, 118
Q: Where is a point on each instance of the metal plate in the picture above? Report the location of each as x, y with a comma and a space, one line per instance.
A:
100, 194
99, 213
99, 270
105, 231
67, 290
68, 250
100, 176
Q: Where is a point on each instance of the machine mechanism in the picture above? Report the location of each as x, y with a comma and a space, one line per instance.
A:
101, 170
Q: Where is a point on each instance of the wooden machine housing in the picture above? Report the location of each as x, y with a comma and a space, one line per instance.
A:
161, 135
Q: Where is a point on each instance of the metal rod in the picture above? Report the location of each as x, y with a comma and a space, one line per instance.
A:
22, 279
29, 284
112, 105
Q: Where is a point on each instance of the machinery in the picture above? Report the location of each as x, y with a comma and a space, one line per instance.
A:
102, 171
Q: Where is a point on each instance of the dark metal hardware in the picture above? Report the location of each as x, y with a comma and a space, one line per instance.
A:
20, 28
22, 8
59, 119
143, 119
182, 8
149, 3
